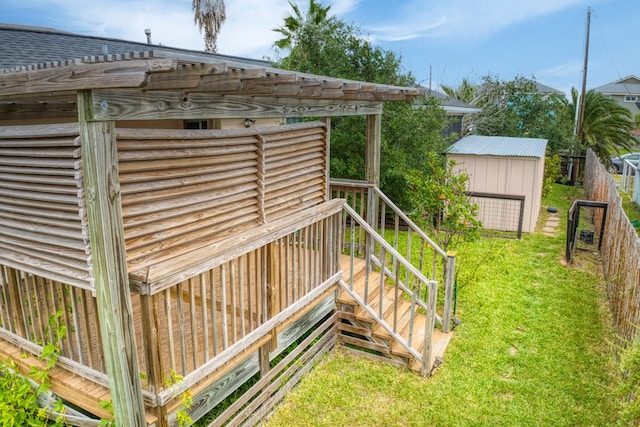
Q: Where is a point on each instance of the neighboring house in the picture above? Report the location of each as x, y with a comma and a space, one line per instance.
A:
547, 90
456, 111
625, 92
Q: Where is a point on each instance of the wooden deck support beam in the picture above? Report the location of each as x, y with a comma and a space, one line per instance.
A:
106, 231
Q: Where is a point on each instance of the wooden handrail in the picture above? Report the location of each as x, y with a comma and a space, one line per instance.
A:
414, 227
431, 285
370, 191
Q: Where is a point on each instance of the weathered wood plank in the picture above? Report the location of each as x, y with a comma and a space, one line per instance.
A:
216, 253
104, 212
133, 73
239, 347
40, 131
134, 105
294, 374
266, 387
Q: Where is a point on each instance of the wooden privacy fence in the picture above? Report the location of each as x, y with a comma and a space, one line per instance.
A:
620, 250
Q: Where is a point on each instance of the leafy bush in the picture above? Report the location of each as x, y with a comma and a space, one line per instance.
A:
440, 203
552, 169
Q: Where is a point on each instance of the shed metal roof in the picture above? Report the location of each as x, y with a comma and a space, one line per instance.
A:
502, 146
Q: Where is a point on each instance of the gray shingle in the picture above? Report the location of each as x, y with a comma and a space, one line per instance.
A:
24, 45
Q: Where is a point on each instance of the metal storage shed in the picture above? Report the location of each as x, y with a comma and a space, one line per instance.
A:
503, 171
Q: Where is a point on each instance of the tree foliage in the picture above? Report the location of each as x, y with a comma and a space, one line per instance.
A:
515, 108
606, 125
440, 204
209, 15
318, 43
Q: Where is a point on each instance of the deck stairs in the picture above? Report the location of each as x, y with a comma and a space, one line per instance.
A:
359, 329
388, 306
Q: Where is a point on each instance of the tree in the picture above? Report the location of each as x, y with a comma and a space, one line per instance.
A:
318, 43
317, 16
606, 127
440, 203
209, 15
516, 108
465, 92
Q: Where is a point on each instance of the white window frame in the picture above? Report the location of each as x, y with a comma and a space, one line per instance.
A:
630, 98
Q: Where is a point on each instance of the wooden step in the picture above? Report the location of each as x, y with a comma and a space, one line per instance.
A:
374, 302
404, 317
440, 340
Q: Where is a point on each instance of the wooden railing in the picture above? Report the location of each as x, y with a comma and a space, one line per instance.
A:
198, 325
383, 269
387, 220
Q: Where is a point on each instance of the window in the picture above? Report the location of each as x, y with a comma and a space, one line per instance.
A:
630, 98
196, 124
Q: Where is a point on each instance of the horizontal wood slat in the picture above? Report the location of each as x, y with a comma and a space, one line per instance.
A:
42, 223
181, 190
184, 190
295, 170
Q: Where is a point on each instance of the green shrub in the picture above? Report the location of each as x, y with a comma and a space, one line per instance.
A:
552, 169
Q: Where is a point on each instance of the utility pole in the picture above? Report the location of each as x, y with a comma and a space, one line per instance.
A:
581, 99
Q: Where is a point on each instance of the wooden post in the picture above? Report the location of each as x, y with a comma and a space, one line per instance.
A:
372, 174
427, 350
273, 290
372, 159
448, 291
106, 231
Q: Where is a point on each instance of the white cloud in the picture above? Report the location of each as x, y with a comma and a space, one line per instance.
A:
342, 7
247, 31
463, 18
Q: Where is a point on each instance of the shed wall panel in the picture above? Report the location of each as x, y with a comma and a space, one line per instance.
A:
505, 175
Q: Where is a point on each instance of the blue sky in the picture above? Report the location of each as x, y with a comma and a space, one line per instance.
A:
441, 41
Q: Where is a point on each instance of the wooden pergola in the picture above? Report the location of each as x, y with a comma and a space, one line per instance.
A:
98, 92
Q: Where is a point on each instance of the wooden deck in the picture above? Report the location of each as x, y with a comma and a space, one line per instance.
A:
358, 328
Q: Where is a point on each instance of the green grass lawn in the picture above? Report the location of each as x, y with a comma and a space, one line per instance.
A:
532, 350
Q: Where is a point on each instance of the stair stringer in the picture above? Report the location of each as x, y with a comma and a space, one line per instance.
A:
358, 333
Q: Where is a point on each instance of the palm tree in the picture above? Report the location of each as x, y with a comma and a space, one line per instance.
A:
606, 127
316, 15
466, 92
209, 15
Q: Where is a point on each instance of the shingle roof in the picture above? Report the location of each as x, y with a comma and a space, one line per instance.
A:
502, 146
452, 105
546, 89
629, 85
24, 45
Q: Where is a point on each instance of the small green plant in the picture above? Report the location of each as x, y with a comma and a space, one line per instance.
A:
552, 169
107, 405
186, 400
19, 403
